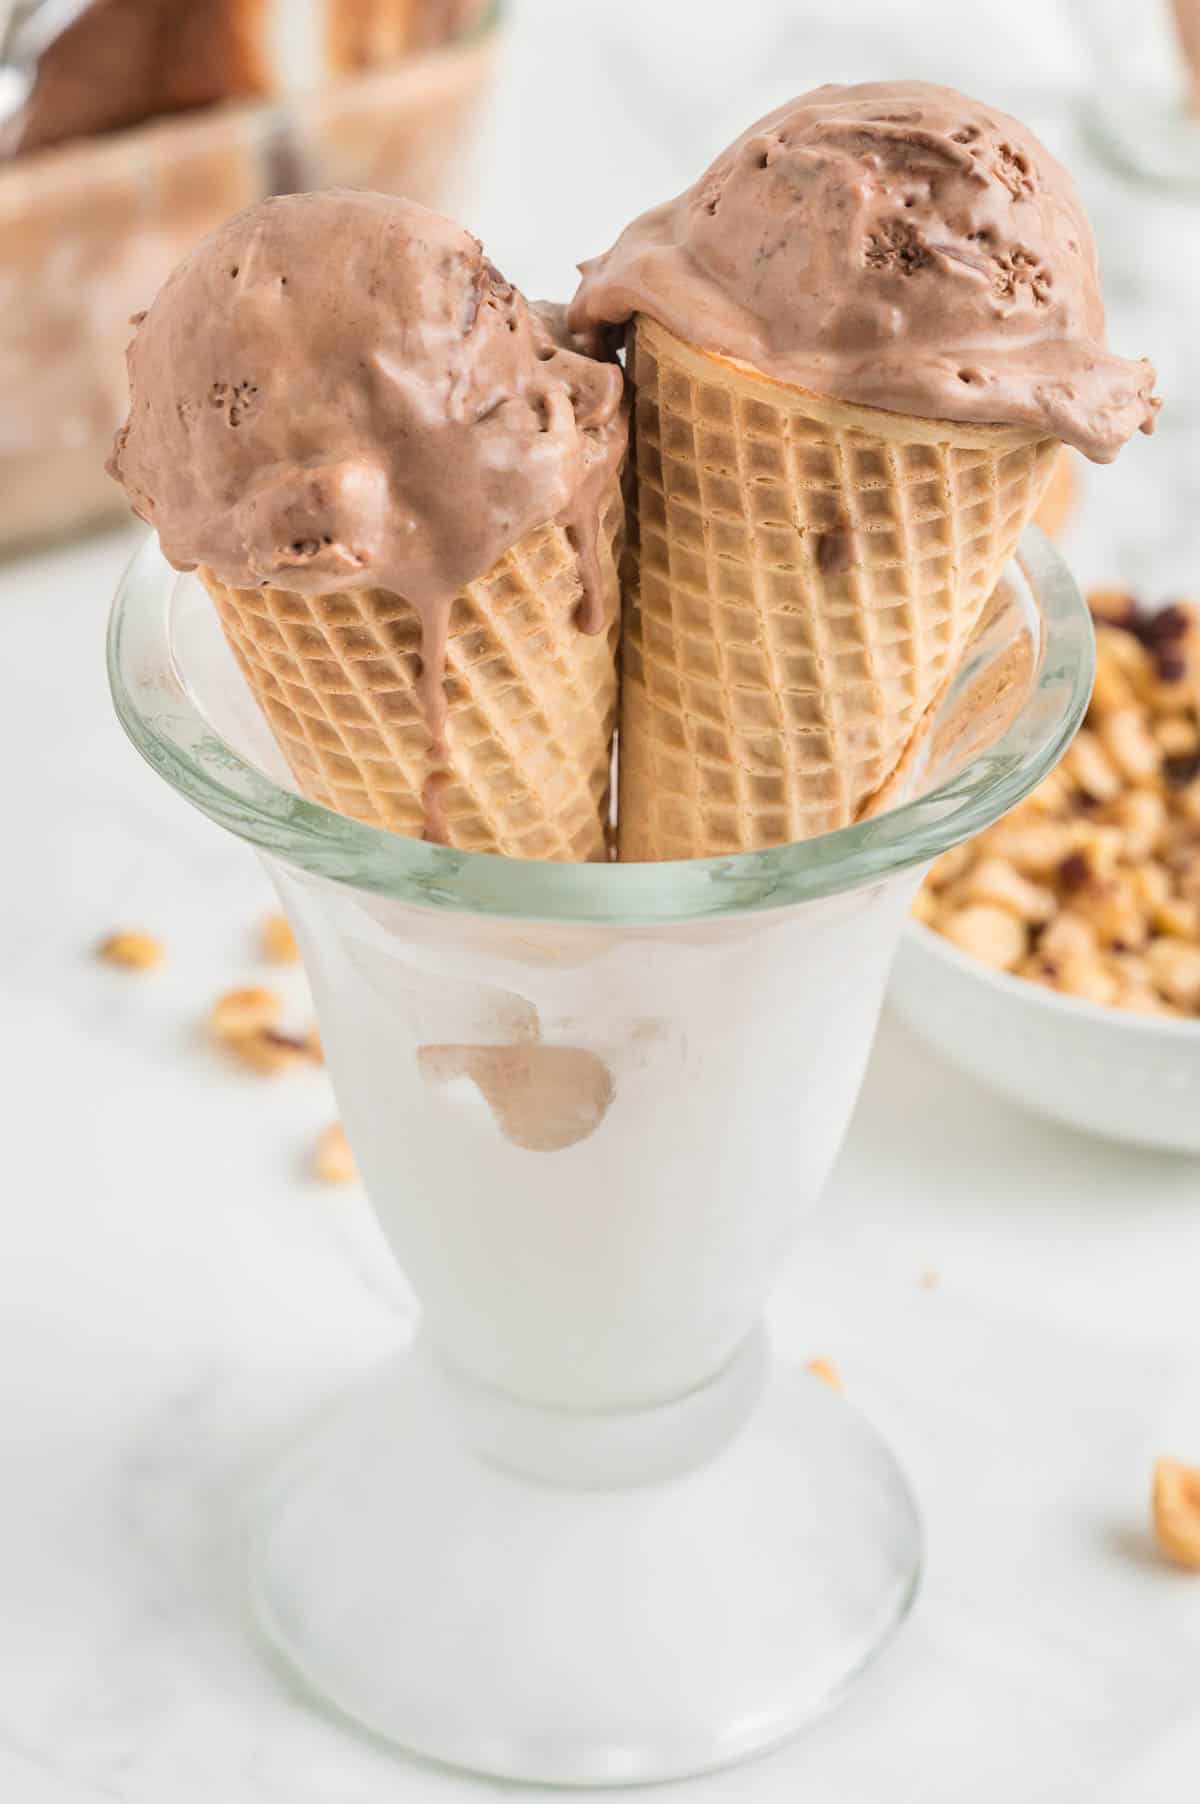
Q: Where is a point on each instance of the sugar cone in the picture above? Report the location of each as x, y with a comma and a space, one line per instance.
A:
805, 579
1060, 498
531, 700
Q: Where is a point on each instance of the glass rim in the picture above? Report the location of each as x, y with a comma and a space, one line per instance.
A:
167, 727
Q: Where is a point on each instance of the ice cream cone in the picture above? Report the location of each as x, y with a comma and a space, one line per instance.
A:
807, 575
531, 700
1060, 498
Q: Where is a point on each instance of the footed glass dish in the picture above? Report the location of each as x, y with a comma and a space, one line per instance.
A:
586, 1531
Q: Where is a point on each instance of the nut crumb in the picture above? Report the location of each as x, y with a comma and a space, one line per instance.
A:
278, 941
826, 1371
132, 950
333, 1162
1177, 1512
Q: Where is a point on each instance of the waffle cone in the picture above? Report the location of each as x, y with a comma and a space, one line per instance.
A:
531, 699
805, 579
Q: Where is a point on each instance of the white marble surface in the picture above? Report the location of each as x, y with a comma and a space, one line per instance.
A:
176, 1295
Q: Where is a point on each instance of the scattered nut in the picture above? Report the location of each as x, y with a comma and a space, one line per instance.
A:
333, 1162
1177, 1512
268, 1051
245, 1023
278, 941
132, 950
826, 1371
239, 1013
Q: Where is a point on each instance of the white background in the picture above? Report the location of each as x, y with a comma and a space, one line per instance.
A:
176, 1295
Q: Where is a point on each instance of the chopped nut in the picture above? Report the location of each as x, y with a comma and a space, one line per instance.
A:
1130, 744
245, 1023
1120, 650
278, 941
1176, 737
267, 1051
1069, 936
1152, 887
1091, 983
132, 950
1175, 967
1091, 767
989, 933
995, 880
1178, 917
246, 1011
333, 1162
1101, 845
826, 1371
1112, 688
1035, 847
1111, 905
1142, 814
1177, 1512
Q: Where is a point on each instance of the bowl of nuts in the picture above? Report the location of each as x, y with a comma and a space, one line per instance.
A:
1056, 958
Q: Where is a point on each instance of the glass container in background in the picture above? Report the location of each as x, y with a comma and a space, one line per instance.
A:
91, 228
587, 1531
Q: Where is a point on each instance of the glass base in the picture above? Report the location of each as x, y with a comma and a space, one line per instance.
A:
585, 1633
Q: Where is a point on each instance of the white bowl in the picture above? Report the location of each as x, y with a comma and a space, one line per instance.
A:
1107, 1071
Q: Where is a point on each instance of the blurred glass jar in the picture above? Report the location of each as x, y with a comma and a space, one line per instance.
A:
90, 228
1145, 105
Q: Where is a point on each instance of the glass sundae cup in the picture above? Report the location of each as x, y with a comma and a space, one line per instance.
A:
585, 1530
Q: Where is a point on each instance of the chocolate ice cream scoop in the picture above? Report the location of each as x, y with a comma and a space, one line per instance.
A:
894, 245
339, 391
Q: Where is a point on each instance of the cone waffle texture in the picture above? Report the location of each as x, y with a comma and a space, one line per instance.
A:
806, 577
531, 699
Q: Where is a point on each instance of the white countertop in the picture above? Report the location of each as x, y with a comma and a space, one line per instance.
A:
176, 1295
